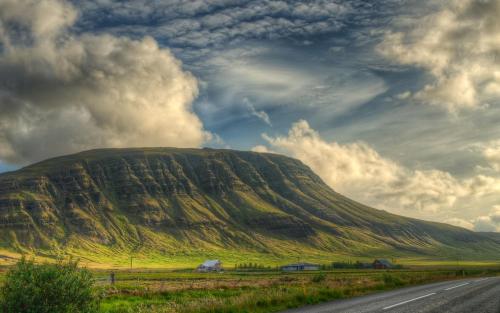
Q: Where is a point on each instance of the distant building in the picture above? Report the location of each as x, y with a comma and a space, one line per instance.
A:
363, 265
210, 266
300, 267
382, 264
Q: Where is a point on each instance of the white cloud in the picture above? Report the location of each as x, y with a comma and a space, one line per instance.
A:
458, 46
459, 222
491, 153
247, 72
63, 92
484, 223
404, 95
262, 115
270, 82
490, 222
261, 149
358, 171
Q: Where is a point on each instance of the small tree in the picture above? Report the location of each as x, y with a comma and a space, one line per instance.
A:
48, 288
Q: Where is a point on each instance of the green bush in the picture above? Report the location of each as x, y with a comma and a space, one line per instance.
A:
48, 288
318, 278
392, 280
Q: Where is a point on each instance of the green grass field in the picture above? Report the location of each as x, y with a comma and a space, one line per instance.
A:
163, 283
176, 289
99, 257
184, 291
166, 283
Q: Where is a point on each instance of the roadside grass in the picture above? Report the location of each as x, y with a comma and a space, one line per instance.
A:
185, 292
260, 291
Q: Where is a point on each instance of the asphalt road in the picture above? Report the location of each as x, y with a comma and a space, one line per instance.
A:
481, 295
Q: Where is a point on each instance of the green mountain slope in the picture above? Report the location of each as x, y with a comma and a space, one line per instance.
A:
168, 201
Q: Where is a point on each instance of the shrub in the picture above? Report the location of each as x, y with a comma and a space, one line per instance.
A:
48, 288
392, 281
318, 278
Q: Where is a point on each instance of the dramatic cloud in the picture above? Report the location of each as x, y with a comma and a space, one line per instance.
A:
210, 23
458, 46
251, 79
63, 92
357, 170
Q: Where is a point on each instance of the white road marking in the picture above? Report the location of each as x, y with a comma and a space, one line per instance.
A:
401, 303
481, 279
457, 286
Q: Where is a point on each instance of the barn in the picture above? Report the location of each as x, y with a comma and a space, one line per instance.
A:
382, 264
210, 266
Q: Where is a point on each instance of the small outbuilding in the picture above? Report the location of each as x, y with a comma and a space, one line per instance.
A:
210, 266
300, 267
382, 264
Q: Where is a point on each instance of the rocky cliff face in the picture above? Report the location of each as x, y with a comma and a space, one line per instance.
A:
166, 198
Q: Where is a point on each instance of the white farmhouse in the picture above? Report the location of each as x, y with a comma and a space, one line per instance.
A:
210, 266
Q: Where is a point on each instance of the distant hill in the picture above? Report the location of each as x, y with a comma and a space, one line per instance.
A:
182, 202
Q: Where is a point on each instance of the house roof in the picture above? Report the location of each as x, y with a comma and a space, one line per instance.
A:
384, 262
210, 263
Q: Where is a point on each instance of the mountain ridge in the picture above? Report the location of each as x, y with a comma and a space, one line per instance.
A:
204, 201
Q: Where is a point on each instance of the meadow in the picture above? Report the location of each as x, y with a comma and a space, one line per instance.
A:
254, 287
264, 290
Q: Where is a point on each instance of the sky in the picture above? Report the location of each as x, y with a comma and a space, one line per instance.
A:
394, 103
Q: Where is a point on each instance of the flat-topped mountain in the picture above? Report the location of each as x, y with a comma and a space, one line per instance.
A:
172, 201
